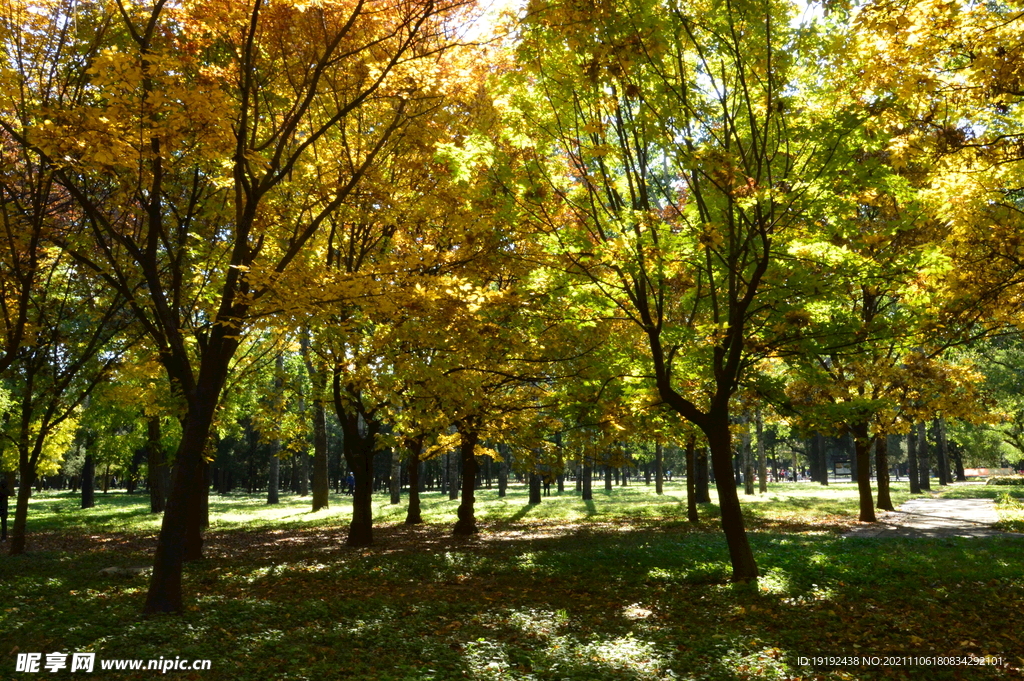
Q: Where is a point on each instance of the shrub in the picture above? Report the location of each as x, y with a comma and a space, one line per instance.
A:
1006, 480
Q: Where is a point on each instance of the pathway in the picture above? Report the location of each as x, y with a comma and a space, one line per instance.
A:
924, 517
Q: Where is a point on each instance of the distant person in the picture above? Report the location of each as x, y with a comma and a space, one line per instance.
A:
350, 484
5, 492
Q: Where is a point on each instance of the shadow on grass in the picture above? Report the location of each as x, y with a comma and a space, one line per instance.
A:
595, 604
562, 590
520, 514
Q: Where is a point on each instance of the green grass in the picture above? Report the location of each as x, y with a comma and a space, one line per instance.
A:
795, 502
619, 588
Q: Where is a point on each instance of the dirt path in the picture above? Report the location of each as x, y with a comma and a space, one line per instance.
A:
925, 517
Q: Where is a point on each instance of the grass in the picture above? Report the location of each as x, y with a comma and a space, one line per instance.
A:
618, 588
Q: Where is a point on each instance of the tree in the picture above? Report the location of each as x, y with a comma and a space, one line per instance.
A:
685, 147
317, 375
78, 337
876, 255
185, 156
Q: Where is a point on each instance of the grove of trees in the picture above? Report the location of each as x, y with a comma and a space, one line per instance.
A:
265, 243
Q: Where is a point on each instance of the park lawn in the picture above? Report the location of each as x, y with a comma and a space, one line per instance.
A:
618, 588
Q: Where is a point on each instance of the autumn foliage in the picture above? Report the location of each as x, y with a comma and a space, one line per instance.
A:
549, 236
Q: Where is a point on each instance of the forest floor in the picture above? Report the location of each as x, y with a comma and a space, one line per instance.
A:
618, 588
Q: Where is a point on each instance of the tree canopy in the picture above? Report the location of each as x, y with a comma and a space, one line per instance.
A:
584, 229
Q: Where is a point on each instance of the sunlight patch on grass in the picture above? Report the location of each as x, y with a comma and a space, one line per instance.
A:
527, 562
556, 652
253, 511
658, 574
632, 506
536, 621
819, 559
708, 572
626, 655
114, 512
257, 573
260, 638
775, 581
766, 664
487, 660
636, 611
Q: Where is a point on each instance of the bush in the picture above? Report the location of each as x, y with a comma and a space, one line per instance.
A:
1006, 480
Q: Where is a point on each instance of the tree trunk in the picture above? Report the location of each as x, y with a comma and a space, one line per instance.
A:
442, 475
466, 524
958, 460
703, 480
360, 435
912, 473
942, 454
748, 456
744, 568
659, 469
822, 458
164, 593
607, 478
321, 477
862, 444
811, 447
534, 488
318, 379
27, 469
196, 516
131, 482
207, 484
453, 476
924, 466
587, 489
503, 474
762, 464
302, 463
10, 481
413, 515
20, 526
395, 480
882, 473
88, 482
854, 461
691, 482
274, 481
359, 452
360, 529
